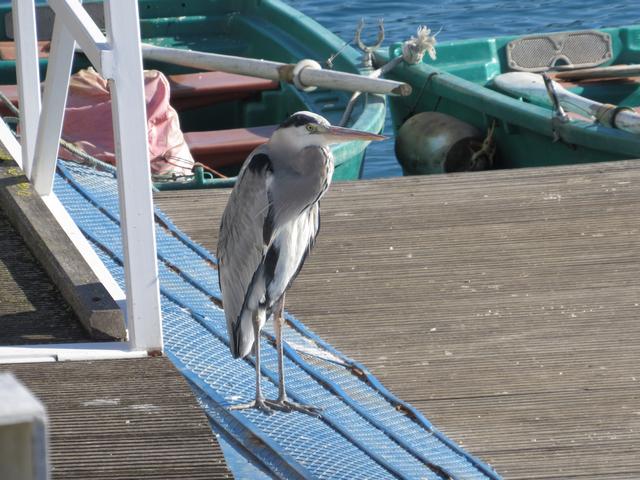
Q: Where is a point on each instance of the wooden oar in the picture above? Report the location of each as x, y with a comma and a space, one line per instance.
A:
599, 72
531, 87
306, 74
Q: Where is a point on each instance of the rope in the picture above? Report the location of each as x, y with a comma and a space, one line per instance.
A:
427, 81
210, 170
86, 158
487, 149
94, 162
607, 113
329, 61
413, 50
14, 110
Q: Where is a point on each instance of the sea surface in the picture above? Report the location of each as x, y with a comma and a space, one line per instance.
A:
459, 19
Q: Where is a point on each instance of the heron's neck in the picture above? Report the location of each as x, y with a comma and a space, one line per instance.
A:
299, 161
289, 153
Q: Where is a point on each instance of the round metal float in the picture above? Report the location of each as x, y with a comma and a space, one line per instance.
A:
433, 142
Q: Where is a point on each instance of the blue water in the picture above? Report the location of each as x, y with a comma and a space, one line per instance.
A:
460, 19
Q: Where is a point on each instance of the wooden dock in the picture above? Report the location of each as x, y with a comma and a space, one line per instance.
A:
123, 419
27, 220
110, 419
32, 309
504, 305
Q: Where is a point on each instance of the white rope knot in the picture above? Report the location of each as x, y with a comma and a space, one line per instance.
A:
413, 50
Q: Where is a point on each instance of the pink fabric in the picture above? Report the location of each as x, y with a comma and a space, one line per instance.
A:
88, 122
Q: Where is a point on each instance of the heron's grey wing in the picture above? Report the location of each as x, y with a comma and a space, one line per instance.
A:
241, 243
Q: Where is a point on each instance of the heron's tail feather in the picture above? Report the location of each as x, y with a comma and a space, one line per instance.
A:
243, 337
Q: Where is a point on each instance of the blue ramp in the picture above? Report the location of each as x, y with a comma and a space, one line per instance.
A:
363, 432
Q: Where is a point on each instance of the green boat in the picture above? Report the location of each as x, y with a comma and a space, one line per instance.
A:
516, 123
229, 115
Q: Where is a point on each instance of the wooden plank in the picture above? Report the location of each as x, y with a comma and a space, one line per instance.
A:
221, 148
32, 310
189, 90
123, 419
23, 432
95, 308
192, 90
503, 304
9, 51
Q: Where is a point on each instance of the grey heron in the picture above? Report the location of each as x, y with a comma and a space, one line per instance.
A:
267, 230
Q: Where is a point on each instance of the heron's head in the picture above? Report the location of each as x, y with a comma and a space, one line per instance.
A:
305, 129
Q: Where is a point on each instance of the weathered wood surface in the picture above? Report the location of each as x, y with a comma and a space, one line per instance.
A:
123, 419
504, 305
65, 266
32, 310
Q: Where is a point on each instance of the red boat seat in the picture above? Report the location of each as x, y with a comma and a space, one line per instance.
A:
193, 89
222, 148
8, 49
203, 88
217, 148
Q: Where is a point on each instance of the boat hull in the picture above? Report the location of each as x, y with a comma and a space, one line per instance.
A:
459, 84
269, 30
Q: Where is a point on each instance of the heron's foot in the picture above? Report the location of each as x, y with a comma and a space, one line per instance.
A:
259, 404
286, 405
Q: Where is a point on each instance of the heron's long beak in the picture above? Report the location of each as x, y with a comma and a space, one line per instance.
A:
341, 134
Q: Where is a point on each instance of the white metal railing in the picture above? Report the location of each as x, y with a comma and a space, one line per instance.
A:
37, 155
28, 73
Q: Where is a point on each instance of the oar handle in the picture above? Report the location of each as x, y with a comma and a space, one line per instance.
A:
599, 72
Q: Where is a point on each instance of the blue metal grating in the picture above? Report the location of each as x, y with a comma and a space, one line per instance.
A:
364, 431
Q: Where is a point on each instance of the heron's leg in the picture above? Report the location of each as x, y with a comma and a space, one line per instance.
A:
283, 403
259, 401
278, 324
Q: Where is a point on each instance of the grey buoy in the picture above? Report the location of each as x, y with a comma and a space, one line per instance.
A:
433, 142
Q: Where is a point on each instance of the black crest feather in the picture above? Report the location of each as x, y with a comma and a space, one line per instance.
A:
298, 120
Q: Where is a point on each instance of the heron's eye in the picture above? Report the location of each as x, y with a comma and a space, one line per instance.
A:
310, 127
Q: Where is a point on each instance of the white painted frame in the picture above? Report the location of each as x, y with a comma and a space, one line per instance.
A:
37, 156
24, 425
28, 73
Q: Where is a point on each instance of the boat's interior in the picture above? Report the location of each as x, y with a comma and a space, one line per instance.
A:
224, 116
479, 61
